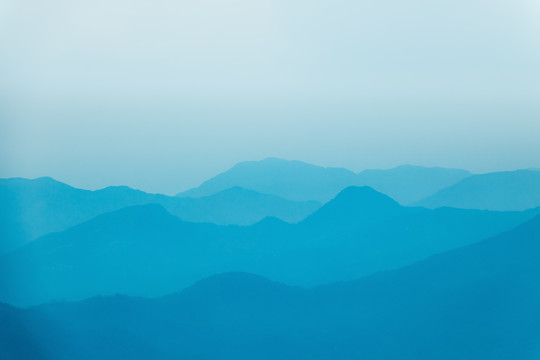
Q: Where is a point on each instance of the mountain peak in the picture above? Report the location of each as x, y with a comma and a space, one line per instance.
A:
354, 198
362, 193
353, 203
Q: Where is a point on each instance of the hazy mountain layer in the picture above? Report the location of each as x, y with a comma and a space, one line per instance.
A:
144, 250
300, 181
509, 190
476, 302
32, 208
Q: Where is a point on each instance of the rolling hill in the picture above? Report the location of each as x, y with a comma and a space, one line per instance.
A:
479, 301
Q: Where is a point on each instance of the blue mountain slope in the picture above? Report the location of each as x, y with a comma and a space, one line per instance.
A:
297, 180
476, 302
509, 190
146, 251
294, 180
32, 208
408, 184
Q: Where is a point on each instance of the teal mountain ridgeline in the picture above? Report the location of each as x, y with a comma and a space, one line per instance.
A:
476, 302
147, 251
252, 191
300, 181
409, 263
33, 208
508, 190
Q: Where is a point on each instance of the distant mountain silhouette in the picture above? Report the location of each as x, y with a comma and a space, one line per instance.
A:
295, 180
146, 251
32, 208
300, 181
407, 184
509, 190
476, 302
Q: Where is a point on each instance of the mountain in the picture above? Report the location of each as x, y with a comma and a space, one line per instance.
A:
146, 251
407, 184
300, 181
508, 190
295, 180
476, 302
238, 206
32, 208
351, 204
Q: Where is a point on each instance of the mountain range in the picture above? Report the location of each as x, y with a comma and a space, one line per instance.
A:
146, 251
476, 302
300, 181
508, 190
252, 191
33, 208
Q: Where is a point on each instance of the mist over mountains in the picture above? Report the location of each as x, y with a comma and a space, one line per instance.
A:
400, 219
146, 251
275, 259
479, 301
300, 181
509, 190
32, 208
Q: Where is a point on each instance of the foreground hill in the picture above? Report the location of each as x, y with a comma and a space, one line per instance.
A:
476, 302
300, 181
32, 208
509, 190
146, 251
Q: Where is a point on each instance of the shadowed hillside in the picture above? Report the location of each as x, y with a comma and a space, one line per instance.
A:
475, 302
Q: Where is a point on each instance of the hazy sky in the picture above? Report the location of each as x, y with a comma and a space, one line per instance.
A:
159, 95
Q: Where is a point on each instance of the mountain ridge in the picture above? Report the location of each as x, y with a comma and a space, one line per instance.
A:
32, 208
507, 190
145, 250
294, 179
477, 301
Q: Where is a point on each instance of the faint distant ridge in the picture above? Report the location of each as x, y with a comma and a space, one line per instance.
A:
297, 180
408, 183
509, 190
32, 208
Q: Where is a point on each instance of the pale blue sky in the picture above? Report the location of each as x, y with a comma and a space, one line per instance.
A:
160, 95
